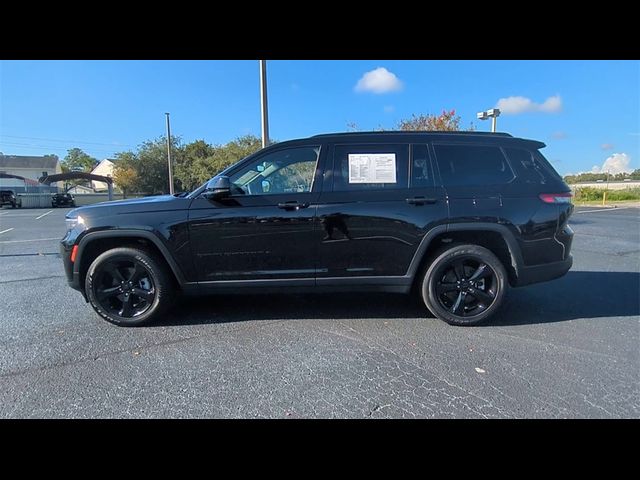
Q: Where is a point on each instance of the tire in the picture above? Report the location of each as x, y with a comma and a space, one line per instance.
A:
457, 288
13, 205
143, 272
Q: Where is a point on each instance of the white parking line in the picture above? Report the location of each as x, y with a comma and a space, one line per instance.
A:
604, 210
34, 240
44, 214
5, 231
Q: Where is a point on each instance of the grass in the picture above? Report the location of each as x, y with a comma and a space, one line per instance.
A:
591, 194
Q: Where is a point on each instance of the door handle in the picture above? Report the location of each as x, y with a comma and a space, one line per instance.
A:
421, 201
292, 205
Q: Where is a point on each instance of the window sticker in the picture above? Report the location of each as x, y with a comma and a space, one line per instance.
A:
372, 168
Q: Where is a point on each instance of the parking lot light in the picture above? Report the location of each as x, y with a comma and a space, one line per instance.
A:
493, 114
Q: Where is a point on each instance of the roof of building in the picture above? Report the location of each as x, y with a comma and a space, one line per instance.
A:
24, 161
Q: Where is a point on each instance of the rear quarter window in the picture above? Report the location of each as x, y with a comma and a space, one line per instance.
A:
466, 165
528, 167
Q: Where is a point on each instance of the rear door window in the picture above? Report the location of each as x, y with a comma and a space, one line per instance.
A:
470, 164
370, 167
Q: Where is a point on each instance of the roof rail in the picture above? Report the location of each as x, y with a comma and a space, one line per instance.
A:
414, 132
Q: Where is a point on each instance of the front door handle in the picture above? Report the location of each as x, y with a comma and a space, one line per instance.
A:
421, 201
292, 205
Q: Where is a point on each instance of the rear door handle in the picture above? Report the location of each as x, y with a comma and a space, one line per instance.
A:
292, 205
421, 201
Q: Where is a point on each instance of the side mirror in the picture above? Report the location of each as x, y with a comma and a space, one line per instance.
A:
217, 188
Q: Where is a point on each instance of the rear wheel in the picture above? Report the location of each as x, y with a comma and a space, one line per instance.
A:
464, 285
128, 286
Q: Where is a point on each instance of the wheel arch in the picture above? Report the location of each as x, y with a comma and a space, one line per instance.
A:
93, 244
497, 238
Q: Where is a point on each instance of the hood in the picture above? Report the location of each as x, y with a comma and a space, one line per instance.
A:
135, 205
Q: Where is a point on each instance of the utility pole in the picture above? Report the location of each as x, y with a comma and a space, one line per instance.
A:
263, 103
169, 155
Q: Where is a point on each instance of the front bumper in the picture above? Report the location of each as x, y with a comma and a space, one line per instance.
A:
73, 279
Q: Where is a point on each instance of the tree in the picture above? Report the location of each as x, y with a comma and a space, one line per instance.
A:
125, 175
447, 121
77, 159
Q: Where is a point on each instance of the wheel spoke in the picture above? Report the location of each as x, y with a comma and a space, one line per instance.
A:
483, 297
445, 288
458, 306
126, 307
105, 293
138, 271
458, 269
112, 270
143, 294
483, 271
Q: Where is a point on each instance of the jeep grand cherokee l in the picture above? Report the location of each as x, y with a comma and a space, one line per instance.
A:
455, 217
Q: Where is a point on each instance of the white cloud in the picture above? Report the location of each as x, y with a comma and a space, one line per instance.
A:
518, 105
595, 169
389, 108
559, 135
379, 80
617, 163
607, 146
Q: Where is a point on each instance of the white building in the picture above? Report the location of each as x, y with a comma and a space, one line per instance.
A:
29, 167
104, 168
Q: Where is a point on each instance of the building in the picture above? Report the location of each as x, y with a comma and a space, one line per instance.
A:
104, 168
29, 167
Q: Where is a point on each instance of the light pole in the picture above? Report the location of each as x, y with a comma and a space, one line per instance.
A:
263, 103
169, 155
493, 114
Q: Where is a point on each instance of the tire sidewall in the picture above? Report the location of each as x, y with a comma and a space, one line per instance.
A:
152, 267
429, 295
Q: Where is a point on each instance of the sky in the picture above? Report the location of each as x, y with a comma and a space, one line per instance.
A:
587, 112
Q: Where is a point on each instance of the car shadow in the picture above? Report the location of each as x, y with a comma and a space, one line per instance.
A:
576, 295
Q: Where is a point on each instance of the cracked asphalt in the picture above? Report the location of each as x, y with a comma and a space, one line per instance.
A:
569, 348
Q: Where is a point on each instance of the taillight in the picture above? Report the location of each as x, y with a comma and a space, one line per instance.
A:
556, 197
74, 252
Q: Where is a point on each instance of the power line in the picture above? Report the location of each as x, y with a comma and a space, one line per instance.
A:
68, 141
51, 147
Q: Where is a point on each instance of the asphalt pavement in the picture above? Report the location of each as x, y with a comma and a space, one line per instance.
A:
569, 348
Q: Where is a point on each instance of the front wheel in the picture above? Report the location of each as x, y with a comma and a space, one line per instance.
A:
128, 286
464, 285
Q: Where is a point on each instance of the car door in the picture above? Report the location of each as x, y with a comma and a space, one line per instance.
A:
373, 222
264, 230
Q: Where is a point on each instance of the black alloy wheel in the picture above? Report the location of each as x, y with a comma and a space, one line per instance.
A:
124, 287
464, 285
129, 286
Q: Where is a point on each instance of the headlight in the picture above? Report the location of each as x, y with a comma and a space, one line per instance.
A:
73, 222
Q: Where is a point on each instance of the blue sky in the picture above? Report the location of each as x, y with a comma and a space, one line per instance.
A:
585, 111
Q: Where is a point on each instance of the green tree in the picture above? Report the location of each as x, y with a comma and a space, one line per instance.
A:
447, 121
77, 159
125, 175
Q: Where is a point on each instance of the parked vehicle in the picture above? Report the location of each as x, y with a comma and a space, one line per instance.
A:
456, 218
9, 197
62, 200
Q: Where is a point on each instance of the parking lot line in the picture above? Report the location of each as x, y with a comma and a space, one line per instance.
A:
44, 215
604, 210
5, 231
32, 240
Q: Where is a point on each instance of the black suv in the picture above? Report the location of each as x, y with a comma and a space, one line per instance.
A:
9, 197
62, 200
454, 217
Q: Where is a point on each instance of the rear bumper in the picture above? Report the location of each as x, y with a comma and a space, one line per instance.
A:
543, 273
